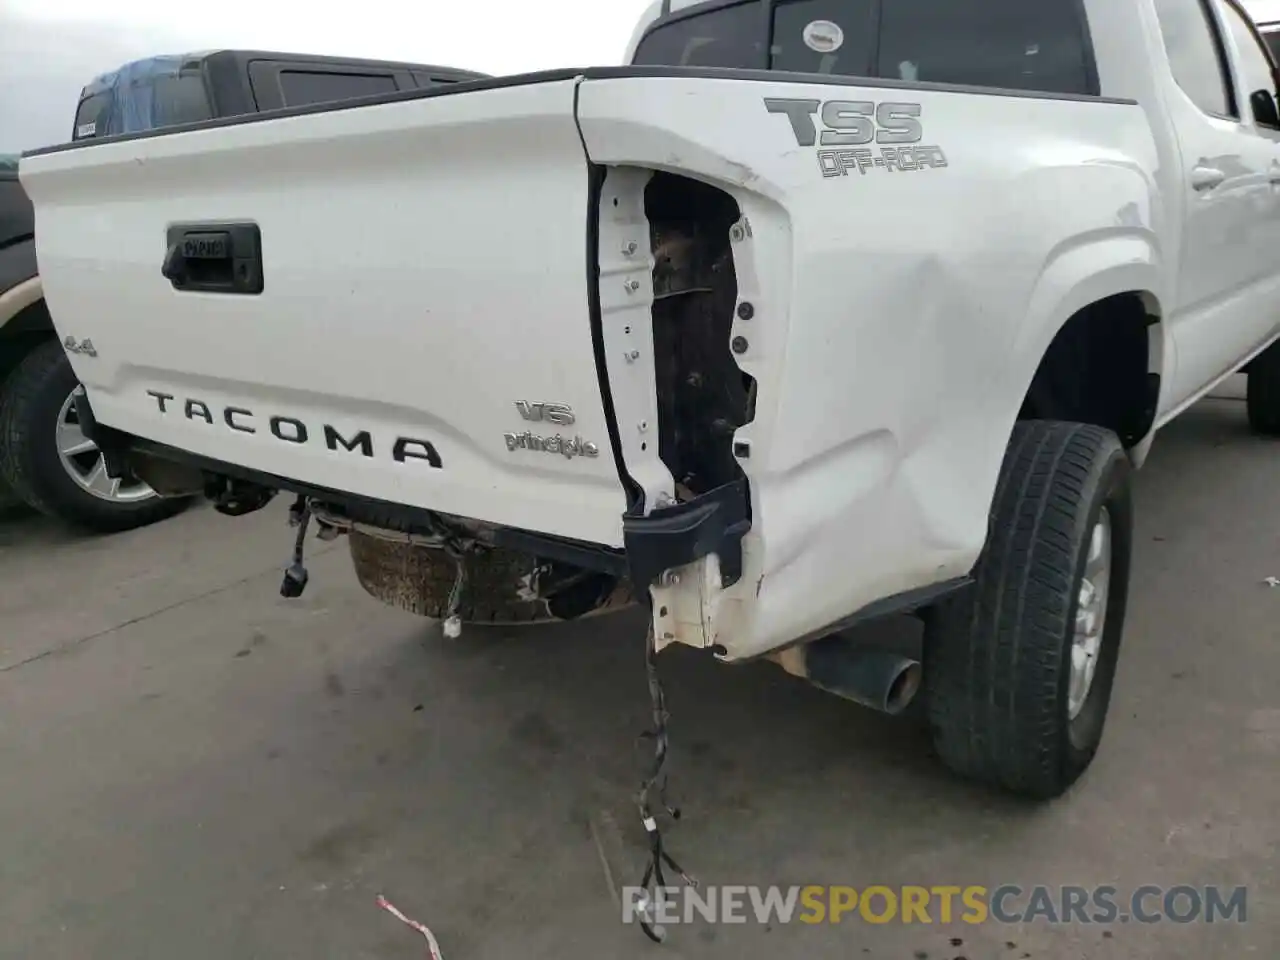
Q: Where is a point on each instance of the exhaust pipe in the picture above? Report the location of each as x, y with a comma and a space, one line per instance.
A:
878, 679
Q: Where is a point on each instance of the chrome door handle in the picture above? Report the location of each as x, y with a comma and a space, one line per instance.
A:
1206, 178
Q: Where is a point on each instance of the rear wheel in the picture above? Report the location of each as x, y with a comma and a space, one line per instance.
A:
1263, 392
51, 465
1019, 670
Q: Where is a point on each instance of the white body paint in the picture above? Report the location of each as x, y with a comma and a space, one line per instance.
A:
426, 268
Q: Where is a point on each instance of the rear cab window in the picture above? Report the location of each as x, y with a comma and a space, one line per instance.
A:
1027, 45
279, 84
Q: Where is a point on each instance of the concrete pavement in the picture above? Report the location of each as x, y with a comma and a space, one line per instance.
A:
196, 768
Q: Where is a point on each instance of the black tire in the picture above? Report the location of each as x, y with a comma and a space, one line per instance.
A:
9, 501
30, 400
998, 657
1263, 392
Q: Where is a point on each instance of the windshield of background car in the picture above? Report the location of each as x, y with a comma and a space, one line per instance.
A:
149, 94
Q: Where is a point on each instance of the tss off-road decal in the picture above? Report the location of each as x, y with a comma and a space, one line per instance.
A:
849, 124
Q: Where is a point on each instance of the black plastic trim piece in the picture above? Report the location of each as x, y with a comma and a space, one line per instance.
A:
676, 536
768, 11
833, 80
906, 602
909, 601
89, 426
592, 73
1091, 75
214, 257
899, 604
113, 443
876, 28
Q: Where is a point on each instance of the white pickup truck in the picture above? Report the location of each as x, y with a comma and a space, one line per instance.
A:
816, 311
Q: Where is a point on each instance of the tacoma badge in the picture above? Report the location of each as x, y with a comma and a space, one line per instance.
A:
291, 430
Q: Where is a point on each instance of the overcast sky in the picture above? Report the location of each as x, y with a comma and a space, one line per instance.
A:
50, 48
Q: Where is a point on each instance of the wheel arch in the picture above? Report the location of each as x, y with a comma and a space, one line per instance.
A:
20, 283
16, 303
1087, 287
24, 323
1101, 330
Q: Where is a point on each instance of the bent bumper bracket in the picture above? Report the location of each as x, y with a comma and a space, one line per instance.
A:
677, 536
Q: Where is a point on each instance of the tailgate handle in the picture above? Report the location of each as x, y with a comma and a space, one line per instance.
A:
214, 258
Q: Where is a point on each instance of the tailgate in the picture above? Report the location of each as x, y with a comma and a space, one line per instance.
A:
422, 334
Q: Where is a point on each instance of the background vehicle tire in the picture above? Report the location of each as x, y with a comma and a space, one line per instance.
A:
51, 465
1263, 392
1018, 671
9, 501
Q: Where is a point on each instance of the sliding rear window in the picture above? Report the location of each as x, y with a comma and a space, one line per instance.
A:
302, 87
1032, 45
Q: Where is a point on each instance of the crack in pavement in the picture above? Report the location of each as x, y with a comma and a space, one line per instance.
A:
71, 645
